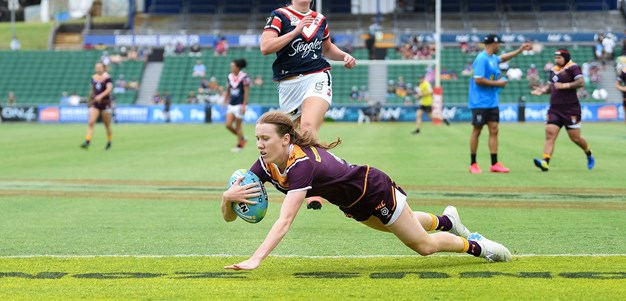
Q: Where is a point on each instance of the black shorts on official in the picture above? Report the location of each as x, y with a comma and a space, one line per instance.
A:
481, 116
427, 109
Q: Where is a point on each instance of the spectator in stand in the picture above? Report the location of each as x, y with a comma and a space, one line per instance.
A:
407, 52
199, 69
133, 54
363, 94
11, 99
354, 94
120, 84
115, 58
179, 49
514, 73
532, 75
608, 46
597, 47
221, 48
391, 88
195, 50
191, 98
448, 74
105, 59
74, 99
547, 68
467, 70
156, 98
464, 46
211, 90
65, 99
410, 90
124, 53
133, 84
594, 73
169, 50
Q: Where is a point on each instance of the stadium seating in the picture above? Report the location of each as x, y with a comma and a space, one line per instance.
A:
177, 79
40, 77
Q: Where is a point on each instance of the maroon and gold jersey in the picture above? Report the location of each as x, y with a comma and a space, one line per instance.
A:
564, 98
99, 84
320, 173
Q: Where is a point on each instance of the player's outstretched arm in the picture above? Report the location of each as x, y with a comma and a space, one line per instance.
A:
288, 211
509, 55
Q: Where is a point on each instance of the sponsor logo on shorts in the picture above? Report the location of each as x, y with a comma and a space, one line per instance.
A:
319, 85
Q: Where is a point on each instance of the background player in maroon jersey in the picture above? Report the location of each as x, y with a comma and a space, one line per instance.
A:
299, 166
565, 78
100, 103
300, 37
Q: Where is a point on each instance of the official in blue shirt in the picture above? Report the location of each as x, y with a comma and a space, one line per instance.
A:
483, 98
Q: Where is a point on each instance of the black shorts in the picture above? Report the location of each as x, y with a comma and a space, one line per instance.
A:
481, 116
427, 109
382, 199
103, 105
568, 118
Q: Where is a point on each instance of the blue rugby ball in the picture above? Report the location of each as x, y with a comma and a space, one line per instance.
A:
252, 213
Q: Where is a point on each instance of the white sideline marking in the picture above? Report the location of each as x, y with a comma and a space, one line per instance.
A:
293, 256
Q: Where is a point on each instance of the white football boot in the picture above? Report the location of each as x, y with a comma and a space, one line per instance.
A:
457, 227
491, 250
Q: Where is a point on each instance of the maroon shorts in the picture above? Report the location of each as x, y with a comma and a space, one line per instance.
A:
102, 105
383, 199
570, 117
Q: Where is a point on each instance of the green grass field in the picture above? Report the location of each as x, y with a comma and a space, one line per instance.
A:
142, 221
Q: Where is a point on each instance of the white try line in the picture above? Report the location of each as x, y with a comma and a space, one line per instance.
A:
291, 256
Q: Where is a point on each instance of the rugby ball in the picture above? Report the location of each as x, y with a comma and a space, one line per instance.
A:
252, 213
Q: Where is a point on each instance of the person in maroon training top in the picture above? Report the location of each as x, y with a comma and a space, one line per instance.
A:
100, 104
565, 78
298, 165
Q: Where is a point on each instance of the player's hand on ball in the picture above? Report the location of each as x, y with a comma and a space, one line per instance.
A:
349, 61
249, 264
241, 194
527, 46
